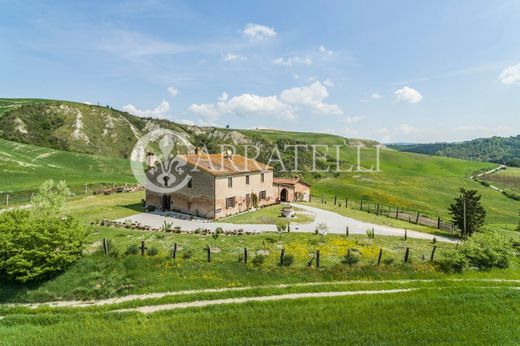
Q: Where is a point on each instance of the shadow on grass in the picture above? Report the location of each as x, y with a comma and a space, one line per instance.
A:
135, 207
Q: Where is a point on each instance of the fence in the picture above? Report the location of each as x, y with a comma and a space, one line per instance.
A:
25, 197
410, 215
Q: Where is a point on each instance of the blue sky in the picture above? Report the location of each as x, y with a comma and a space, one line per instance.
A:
414, 71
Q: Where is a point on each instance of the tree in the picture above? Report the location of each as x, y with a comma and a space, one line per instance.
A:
50, 198
38, 243
467, 212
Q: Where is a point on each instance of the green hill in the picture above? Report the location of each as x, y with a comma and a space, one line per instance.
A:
407, 180
503, 150
24, 167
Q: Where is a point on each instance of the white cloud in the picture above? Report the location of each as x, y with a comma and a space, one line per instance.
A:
257, 32
186, 122
407, 94
311, 96
173, 91
285, 105
406, 129
326, 51
223, 97
231, 57
510, 75
375, 96
158, 112
292, 61
328, 82
352, 119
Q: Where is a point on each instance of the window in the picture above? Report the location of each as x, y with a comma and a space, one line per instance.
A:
230, 202
262, 177
229, 182
190, 184
262, 195
247, 179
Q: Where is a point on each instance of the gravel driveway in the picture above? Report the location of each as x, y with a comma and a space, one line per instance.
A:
336, 223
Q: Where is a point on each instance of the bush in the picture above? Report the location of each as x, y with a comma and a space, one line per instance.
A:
350, 259
34, 245
258, 260
152, 251
482, 251
370, 233
487, 250
287, 260
132, 249
388, 261
187, 254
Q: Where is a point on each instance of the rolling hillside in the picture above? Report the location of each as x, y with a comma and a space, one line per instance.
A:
408, 180
503, 150
24, 167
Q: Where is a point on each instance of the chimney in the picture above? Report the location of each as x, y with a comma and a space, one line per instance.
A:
150, 159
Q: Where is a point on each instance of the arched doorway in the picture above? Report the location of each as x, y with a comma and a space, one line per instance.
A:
166, 202
283, 195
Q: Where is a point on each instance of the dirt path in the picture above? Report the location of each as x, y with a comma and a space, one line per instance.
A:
202, 303
137, 297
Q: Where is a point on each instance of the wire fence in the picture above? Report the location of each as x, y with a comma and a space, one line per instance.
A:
413, 216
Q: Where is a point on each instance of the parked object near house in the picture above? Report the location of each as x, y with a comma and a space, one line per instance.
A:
291, 190
221, 185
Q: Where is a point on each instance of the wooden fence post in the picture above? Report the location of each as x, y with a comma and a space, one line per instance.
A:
7, 200
405, 234
282, 254
433, 253
406, 254
379, 257
417, 218
361, 205
245, 255
209, 253
105, 246
377, 210
335, 199
317, 258
143, 247
397, 213
439, 222
174, 252
347, 231
346, 202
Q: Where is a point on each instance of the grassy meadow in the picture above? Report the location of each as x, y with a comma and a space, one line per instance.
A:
453, 315
269, 215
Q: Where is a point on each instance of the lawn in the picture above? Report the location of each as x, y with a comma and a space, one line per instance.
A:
269, 215
453, 315
24, 167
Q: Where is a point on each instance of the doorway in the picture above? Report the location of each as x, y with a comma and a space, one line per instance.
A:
283, 195
166, 202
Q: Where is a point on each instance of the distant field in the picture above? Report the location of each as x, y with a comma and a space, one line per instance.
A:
24, 167
408, 180
505, 179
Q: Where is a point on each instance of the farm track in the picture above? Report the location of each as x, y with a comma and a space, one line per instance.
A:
158, 295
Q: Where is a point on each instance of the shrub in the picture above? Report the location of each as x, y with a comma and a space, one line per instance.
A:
258, 260
287, 260
350, 259
482, 251
35, 245
132, 249
487, 250
370, 233
388, 261
152, 251
187, 254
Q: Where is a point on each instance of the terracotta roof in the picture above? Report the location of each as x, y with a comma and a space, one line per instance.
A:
220, 164
288, 181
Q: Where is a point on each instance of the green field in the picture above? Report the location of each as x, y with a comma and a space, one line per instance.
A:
269, 215
505, 179
24, 167
407, 180
431, 315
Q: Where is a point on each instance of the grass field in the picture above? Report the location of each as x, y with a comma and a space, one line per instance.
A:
269, 215
407, 180
24, 167
427, 313
505, 179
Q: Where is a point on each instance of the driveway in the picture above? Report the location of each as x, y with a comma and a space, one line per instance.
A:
336, 224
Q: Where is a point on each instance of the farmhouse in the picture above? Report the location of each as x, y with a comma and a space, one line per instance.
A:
218, 185
292, 190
